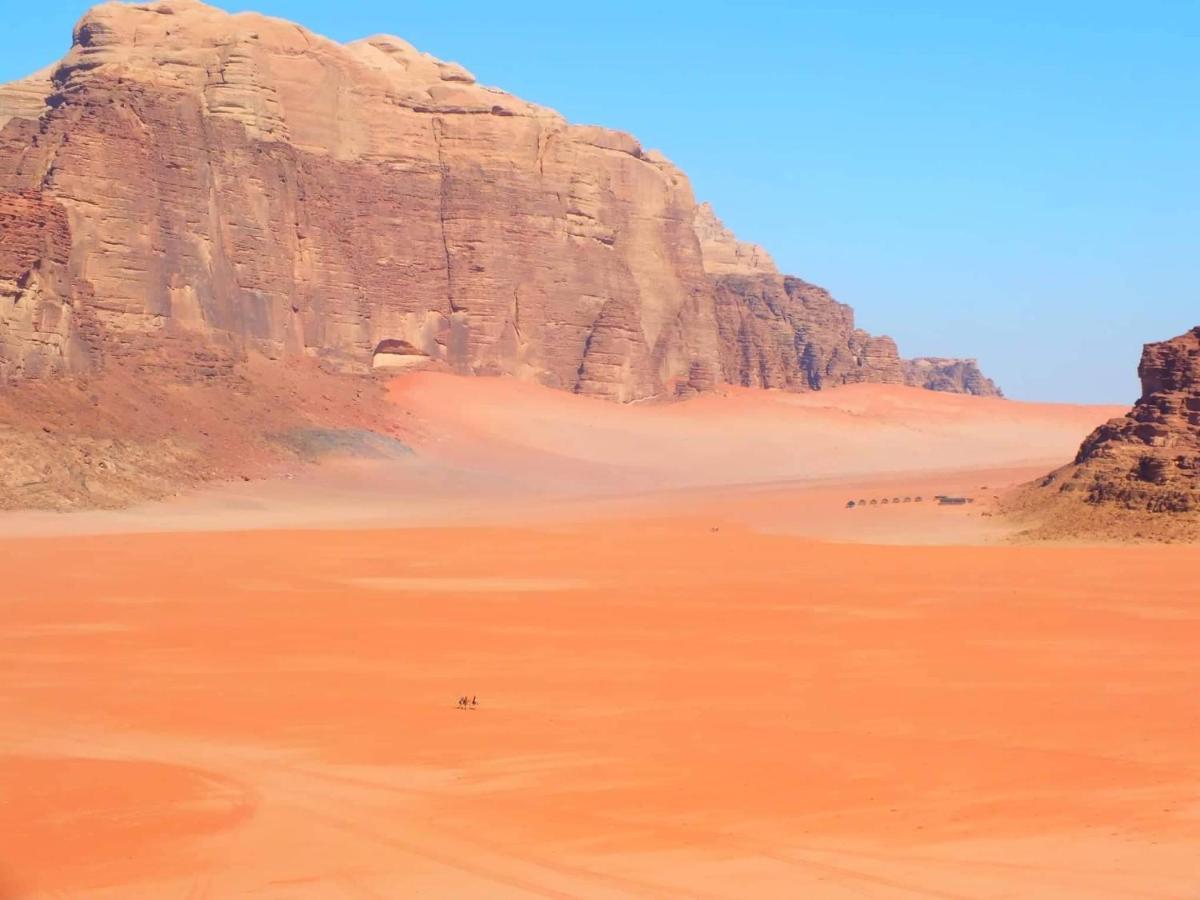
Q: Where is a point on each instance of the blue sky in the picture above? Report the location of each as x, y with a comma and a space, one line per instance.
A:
1015, 181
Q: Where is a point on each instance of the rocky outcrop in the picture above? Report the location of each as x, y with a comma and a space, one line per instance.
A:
723, 253
46, 321
188, 187
615, 363
1150, 458
776, 331
27, 98
957, 376
781, 332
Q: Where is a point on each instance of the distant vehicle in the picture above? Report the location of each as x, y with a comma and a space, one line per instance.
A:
850, 504
954, 501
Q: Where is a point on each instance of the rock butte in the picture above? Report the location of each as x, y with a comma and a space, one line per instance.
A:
1148, 459
189, 187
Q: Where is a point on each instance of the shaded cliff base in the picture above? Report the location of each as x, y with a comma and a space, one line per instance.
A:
117, 438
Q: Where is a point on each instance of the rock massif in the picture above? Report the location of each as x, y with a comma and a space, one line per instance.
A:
776, 331
1150, 458
189, 187
957, 376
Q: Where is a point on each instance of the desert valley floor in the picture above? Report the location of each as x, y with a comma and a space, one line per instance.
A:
699, 674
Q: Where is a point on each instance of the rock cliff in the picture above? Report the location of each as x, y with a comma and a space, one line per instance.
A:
957, 376
188, 187
776, 331
1150, 458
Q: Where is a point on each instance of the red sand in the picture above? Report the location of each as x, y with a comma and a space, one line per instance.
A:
665, 710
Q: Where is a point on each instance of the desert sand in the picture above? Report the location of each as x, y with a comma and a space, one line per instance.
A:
699, 674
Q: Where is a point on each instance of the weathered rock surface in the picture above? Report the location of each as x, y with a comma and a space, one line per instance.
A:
958, 376
723, 253
112, 438
1150, 458
781, 332
27, 98
41, 331
189, 187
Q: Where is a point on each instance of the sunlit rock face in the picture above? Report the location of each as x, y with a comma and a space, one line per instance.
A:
1150, 458
189, 186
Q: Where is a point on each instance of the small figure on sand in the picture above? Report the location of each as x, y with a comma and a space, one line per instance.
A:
474, 701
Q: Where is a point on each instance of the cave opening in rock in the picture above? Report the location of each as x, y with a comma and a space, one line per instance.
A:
393, 353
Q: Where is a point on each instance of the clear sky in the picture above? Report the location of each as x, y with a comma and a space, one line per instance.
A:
1017, 181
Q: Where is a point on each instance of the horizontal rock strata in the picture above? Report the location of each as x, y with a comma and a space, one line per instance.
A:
188, 187
957, 376
1150, 458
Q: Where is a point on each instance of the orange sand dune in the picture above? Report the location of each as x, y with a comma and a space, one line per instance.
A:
699, 673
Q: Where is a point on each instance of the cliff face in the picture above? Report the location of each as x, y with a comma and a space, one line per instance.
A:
776, 331
189, 186
1150, 458
957, 376
781, 332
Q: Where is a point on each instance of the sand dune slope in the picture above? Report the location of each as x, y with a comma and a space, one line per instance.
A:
740, 435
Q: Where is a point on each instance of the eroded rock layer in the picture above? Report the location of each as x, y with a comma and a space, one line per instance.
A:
1150, 458
957, 376
781, 332
188, 187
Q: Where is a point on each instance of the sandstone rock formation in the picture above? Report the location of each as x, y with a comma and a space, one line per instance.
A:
1150, 458
958, 376
780, 332
35, 243
188, 187
723, 253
